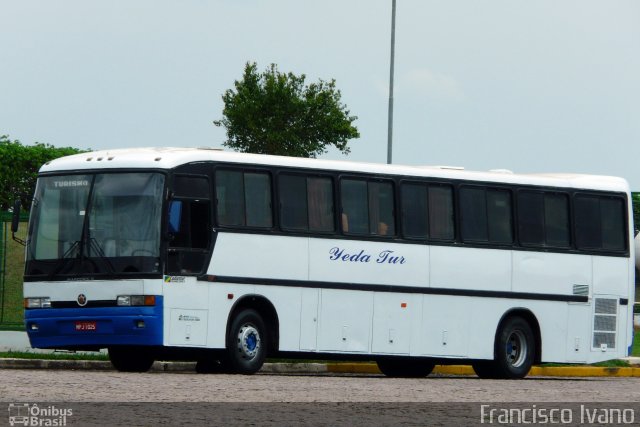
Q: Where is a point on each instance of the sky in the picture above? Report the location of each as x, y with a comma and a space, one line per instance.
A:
529, 86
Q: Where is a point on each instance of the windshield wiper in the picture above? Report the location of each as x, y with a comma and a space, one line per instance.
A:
79, 244
95, 247
66, 257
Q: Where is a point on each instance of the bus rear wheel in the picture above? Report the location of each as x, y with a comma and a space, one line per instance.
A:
485, 369
131, 359
405, 368
515, 349
246, 343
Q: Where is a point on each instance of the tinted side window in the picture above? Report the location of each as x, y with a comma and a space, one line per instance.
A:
189, 224
473, 214
367, 207
499, 216
257, 199
531, 218
414, 211
355, 206
543, 219
588, 224
486, 215
427, 211
441, 219
306, 203
600, 223
320, 204
243, 198
230, 197
191, 186
293, 202
556, 214
381, 218
613, 220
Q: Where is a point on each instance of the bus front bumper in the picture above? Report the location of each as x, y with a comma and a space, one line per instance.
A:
76, 328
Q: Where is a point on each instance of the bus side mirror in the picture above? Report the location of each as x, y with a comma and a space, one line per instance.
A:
15, 219
15, 222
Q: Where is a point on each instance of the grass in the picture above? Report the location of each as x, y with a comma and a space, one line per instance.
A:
635, 350
615, 363
52, 356
11, 310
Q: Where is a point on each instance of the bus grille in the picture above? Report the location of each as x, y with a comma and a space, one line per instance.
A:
605, 323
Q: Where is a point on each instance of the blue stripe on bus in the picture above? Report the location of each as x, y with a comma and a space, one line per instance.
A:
114, 326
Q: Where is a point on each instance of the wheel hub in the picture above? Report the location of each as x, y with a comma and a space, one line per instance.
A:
248, 341
516, 349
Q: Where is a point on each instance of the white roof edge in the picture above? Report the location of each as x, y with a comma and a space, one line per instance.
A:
170, 157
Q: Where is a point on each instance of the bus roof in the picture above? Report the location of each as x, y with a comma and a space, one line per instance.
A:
171, 157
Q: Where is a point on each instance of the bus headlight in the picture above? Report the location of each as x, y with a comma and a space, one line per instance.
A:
136, 300
40, 302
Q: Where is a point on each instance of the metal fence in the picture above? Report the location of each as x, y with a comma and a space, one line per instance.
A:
11, 271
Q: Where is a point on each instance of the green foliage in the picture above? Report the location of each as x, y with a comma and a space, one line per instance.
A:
19, 165
53, 356
635, 197
11, 308
614, 363
276, 113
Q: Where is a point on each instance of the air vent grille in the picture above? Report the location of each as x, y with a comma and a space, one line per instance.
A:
606, 306
582, 290
605, 323
600, 338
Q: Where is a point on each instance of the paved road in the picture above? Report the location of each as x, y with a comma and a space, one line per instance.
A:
176, 398
98, 386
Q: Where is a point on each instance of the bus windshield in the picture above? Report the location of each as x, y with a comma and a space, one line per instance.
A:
95, 224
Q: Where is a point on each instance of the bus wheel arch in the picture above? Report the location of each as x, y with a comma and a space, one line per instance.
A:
527, 315
266, 310
521, 326
516, 346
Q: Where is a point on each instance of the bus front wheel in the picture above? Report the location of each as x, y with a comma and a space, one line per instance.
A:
212, 365
246, 343
131, 359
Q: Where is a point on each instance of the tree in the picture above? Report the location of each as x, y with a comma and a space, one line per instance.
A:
276, 113
19, 165
635, 197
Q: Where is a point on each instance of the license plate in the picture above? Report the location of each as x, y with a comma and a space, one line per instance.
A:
85, 325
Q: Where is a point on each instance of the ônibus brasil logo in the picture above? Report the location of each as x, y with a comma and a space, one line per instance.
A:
25, 414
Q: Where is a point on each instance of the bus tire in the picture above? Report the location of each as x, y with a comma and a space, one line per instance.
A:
404, 368
246, 343
211, 366
131, 359
515, 349
485, 369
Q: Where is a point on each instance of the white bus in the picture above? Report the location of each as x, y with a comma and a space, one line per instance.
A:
227, 258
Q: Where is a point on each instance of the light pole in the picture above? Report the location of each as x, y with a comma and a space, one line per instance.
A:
390, 119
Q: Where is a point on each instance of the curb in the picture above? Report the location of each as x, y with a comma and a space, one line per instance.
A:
466, 370
319, 368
